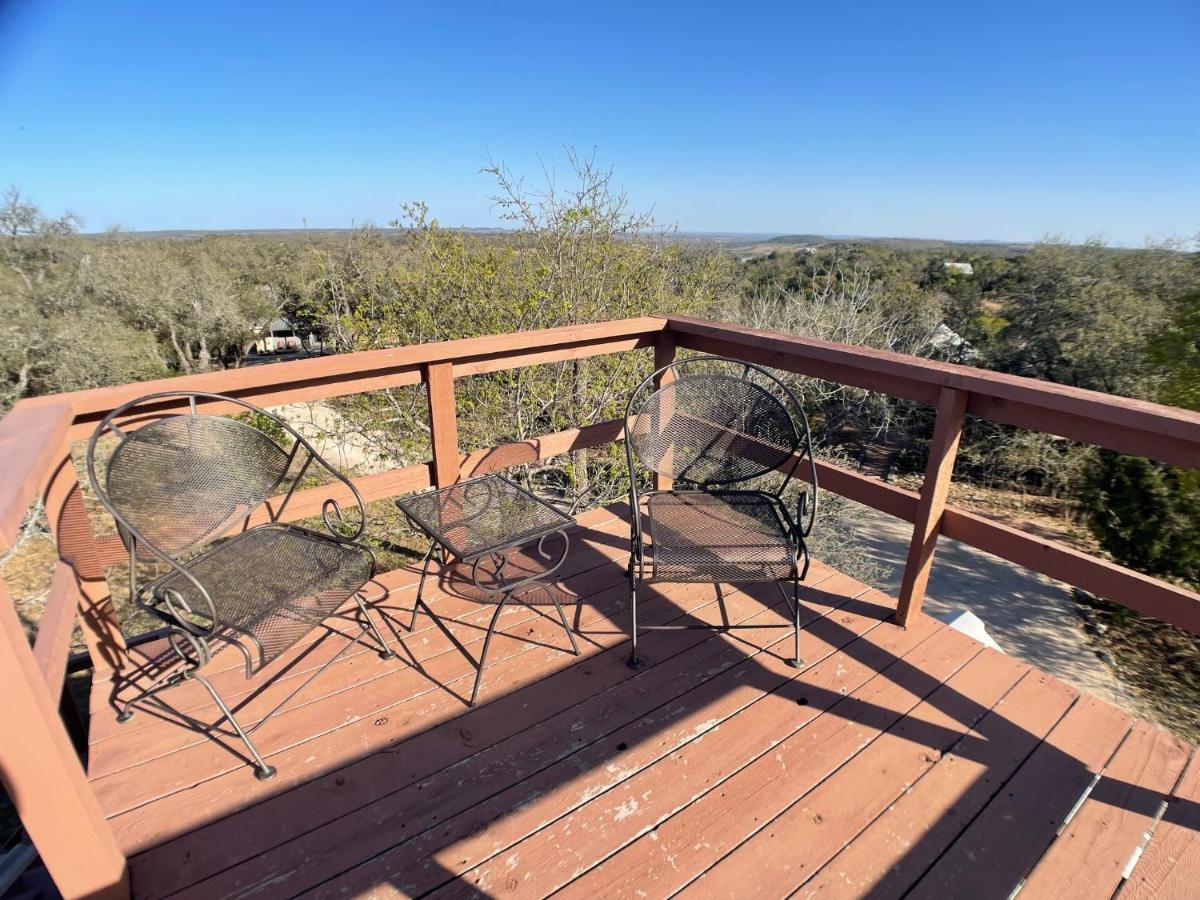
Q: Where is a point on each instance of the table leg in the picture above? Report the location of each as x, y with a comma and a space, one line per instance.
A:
421, 584
486, 643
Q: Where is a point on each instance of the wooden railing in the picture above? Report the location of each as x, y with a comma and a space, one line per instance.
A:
40, 770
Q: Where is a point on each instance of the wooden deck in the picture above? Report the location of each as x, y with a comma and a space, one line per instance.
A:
897, 761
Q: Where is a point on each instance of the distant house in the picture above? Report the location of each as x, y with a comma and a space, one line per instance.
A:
278, 337
963, 268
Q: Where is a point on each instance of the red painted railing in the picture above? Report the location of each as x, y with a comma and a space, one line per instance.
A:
40, 770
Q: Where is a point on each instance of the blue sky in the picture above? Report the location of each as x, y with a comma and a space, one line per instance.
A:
956, 120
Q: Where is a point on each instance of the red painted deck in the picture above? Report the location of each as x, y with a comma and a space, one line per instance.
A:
896, 761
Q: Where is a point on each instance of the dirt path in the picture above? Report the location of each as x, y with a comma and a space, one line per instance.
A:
1029, 615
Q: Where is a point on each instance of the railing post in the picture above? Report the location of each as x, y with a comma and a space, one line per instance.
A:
947, 430
44, 780
443, 423
664, 355
77, 547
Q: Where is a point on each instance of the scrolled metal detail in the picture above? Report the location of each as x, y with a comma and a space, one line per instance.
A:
180, 610
196, 644
335, 521
499, 557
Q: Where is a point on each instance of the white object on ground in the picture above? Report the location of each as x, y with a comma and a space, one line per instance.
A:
969, 624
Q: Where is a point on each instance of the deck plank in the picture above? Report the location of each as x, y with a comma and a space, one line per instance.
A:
896, 761
440, 855
683, 841
889, 856
321, 737
999, 848
1170, 866
558, 749
686, 658
1088, 858
781, 856
428, 647
437, 688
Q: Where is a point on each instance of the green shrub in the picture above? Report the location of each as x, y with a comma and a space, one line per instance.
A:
1147, 515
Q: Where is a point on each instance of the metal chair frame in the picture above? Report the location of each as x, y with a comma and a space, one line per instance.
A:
796, 529
190, 639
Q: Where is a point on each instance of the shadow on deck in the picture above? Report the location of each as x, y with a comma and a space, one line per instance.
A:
895, 761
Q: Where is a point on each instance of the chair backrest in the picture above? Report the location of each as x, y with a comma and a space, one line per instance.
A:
184, 479
716, 422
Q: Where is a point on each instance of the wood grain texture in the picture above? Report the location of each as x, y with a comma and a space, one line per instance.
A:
52, 645
42, 777
586, 777
1170, 866
1088, 858
426, 647
32, 440
943, 450
827, 818
443, 423
571, 821
389, 711
1131, 426
707, 796
556, 762
1003, 844
887, 857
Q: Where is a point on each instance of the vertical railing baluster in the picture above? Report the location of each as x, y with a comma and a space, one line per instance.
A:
664, 355
443, 423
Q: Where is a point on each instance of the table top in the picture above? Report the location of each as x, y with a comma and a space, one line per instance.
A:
482, 515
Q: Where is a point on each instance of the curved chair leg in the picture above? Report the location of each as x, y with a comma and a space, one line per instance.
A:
386, 652
634, 661
486, 643
796, 662
126, 712
261, 770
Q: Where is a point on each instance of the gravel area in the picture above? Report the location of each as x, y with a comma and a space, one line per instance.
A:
1029, 615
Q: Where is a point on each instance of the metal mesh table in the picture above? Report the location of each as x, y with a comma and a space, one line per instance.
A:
482, 522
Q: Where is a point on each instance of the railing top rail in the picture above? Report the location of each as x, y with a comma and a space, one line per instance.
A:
1120, 423
91, 405
32, 439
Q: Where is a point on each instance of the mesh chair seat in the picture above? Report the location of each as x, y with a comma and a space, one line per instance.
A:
274, 583
718, 536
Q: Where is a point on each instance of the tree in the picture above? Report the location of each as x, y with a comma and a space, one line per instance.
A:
88, 311
830, 297
1147, 515
1073, 318
1175, 350
577, 254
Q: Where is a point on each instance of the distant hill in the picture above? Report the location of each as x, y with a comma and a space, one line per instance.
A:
192, 234
744, 243
999, 248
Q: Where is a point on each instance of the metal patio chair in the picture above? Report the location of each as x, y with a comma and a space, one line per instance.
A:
177, 484
718, 428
